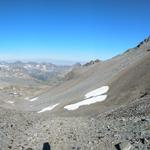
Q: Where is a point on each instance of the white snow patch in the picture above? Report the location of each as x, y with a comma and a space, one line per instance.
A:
34, 99
91, 98
49, 108
86, 102
10, 102
97, 92
26, 98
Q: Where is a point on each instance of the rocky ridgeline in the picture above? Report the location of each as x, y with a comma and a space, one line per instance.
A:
92, 62
144, 42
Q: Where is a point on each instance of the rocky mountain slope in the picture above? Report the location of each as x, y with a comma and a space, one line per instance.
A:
120, 122
84, 79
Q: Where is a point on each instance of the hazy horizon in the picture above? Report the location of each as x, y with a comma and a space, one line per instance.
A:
43, 60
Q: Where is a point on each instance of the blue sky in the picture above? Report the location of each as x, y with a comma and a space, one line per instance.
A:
77, 30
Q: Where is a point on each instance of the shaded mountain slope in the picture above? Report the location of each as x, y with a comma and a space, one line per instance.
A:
127, 86
131, 83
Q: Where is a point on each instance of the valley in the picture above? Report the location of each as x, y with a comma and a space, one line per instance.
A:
100, 105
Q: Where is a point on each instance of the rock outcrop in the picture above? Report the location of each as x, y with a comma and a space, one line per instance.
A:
144, 42
92, 62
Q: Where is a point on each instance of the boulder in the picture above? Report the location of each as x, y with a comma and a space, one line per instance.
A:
123, 146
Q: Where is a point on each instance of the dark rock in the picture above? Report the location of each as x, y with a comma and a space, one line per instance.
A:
46, 146
9, 147
117, 146
91, 62
100, 137
144, 94
143, 42
123, 146
143, 119
97, 61
142, 140
147, 39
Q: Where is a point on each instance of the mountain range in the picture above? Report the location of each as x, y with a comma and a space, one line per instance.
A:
101, 105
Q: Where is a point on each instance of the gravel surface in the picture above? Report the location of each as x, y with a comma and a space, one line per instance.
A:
127, 124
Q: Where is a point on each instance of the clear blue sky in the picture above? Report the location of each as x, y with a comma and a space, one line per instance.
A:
77, 30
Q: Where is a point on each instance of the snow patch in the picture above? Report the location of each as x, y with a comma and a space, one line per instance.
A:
96, 92
15, 93
86, 102
26, 98
34, 99
49, 108
10, 102
91, 98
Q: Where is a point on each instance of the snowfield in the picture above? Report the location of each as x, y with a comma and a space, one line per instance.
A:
86, 102
49, 108
34, 99
97, 92
91, 98
10, 102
